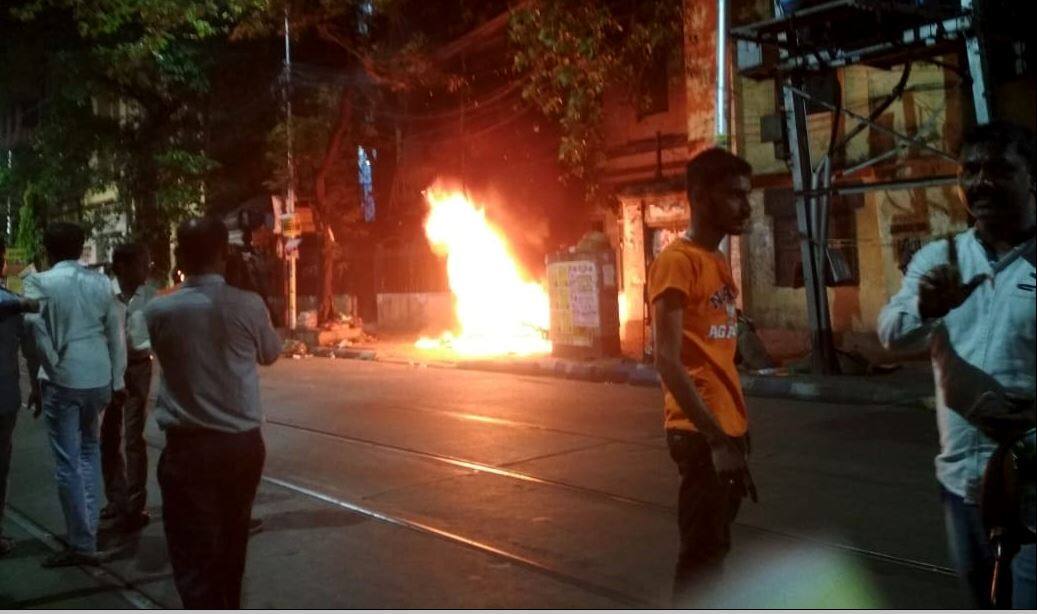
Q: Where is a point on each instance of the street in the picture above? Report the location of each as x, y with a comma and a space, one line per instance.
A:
392, 486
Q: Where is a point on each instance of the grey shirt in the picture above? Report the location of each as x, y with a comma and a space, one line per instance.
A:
79, 333
208, 338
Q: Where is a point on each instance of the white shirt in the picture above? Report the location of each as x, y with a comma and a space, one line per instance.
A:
79, 330
208, 338
137, 339
993, 330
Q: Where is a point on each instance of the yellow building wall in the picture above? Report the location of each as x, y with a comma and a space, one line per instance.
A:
932, 109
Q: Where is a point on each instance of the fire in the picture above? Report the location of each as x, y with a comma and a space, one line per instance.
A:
499, 310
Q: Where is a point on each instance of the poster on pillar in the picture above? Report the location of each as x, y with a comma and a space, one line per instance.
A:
573, 290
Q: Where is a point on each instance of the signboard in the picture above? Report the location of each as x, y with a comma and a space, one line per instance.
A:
17, 264
667, 212
573, 290
296, 224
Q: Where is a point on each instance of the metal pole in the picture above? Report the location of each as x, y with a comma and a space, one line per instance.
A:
720, 112
822, 357
976, 53
290, 199
10, 212
721, 85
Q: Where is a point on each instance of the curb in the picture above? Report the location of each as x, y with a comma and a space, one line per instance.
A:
843, 389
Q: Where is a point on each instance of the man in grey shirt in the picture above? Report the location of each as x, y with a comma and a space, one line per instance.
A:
208, 337
82, 353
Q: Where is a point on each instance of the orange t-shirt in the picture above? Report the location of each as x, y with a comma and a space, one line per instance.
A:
710, 332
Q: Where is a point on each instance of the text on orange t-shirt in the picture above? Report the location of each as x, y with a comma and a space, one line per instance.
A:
710, 332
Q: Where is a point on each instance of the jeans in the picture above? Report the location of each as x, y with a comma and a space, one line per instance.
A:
73, 423
208, 481
126, 476
974, 558
7, 421
706, 507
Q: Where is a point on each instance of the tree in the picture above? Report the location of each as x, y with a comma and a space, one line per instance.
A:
121, 89
368, 56
569, 51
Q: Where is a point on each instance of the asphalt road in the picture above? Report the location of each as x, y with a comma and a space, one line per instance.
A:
389, 486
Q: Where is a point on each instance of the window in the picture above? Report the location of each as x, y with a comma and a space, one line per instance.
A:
654, 91
842, 263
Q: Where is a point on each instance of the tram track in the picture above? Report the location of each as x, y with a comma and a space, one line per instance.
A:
399, 520
507, 473
511, 423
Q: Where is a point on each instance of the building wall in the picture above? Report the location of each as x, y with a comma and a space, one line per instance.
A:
932, 109
647, 158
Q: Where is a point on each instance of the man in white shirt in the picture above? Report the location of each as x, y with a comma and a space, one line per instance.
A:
126, 476
973, 294
82, 356
208, 337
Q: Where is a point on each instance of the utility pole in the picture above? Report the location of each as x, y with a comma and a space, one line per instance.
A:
10, 211
292, 256
721, 135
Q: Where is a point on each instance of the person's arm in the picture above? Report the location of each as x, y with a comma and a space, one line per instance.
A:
932, 288
268, 342
901, 327
669, 316
13, 305
27, 340
45, 355
116, 335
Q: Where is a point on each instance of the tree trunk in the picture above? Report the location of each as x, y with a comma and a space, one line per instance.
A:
326, 311
149, 225
321, 213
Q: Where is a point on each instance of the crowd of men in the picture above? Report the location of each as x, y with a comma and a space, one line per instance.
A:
89, 349
968, 298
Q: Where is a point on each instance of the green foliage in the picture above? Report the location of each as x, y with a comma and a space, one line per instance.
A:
570, 52
120, 85
28, 235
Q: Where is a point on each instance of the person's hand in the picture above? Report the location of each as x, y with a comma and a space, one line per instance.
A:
35, 402
118, 397
30, 305
728, 457
941, 290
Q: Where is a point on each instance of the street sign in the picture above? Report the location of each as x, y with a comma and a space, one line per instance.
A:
290, 226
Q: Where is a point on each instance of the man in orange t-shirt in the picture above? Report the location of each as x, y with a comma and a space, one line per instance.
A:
693, 297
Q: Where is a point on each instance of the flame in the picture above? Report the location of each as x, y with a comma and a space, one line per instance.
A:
499, 310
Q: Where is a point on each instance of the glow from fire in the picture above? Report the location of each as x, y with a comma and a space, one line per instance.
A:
499, 310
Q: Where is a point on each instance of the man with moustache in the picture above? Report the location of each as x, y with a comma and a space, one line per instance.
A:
695, 318
971, 297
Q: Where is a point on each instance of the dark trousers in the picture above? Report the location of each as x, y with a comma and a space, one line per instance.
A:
974, 558
7, 420
126, 475
706, 507
208, 481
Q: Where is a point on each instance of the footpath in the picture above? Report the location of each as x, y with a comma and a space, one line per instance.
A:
911, 383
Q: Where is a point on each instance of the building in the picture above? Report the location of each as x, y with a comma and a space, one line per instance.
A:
872, 233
